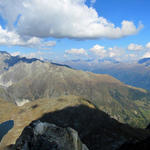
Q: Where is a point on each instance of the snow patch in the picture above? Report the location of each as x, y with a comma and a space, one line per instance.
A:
22, 102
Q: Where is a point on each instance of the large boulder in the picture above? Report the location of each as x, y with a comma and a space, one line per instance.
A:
45, 136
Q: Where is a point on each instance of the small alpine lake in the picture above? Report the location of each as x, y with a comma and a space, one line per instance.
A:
5, 127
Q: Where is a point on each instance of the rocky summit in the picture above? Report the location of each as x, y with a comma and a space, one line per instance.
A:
45, 136
96, 129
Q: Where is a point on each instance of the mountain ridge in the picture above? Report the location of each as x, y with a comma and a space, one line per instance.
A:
135, 74
96, 129
25, 82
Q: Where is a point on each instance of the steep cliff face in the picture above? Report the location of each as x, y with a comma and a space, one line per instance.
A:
45, 136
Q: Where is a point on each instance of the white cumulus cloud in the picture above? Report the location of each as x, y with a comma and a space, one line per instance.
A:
74, 51
117, 53
135, 47
146, 55
148, 45
99, 50
61, 19
11, 38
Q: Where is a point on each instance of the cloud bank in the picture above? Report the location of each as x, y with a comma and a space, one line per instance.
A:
132, 52
61, 19
111, 52
135, 47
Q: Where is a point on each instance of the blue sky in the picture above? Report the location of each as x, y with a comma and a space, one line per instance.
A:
72, 29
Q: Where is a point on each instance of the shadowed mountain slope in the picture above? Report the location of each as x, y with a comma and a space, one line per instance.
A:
96, 129
44, 136
138, 145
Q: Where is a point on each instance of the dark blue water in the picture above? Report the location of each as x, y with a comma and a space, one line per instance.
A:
5, 127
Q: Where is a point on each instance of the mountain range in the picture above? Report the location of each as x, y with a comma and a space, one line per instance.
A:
135, 73
106, 113
32, 79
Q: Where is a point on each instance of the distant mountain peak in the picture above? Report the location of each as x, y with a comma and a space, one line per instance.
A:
7, 60
143, 60
4, 52
15, 59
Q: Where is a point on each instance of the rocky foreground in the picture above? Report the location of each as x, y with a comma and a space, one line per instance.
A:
96, 129
45, 136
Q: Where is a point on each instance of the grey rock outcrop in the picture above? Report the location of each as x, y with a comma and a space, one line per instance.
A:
45, 136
